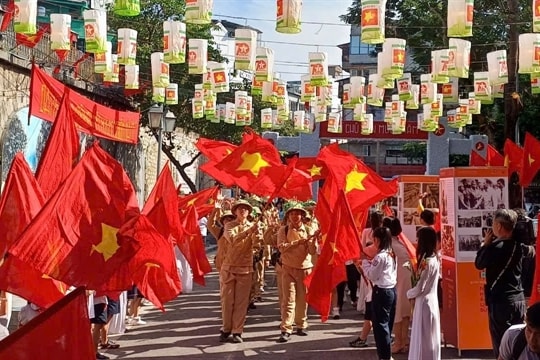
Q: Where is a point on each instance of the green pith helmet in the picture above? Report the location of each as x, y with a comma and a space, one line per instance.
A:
294, 205
241, 202
226, 214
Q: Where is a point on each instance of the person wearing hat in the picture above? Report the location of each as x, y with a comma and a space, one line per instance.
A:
297, 243
236, 271
257, 285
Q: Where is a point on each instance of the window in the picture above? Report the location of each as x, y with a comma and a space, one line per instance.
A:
359, 48
366, 150
353, 72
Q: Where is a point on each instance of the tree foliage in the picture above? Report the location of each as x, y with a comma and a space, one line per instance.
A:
415, 151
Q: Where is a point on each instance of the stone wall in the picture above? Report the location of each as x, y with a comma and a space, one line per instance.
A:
14, 91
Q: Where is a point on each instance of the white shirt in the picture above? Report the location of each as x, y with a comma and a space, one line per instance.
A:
382, 270
507, 345
202, 226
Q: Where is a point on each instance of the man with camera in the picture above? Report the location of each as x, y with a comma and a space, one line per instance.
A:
501, 256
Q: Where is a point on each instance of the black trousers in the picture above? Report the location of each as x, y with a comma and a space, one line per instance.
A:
501, 317
384, 311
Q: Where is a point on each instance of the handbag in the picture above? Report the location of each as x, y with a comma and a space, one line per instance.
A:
487, 291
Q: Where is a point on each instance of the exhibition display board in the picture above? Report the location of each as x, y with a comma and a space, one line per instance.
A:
468, 198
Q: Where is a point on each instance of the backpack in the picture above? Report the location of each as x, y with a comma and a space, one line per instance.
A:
519, 344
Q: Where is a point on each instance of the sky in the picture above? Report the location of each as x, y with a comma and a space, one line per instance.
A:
292, 58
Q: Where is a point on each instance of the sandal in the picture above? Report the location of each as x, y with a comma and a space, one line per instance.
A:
109, 345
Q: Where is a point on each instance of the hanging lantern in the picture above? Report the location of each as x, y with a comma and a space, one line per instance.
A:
536, 15
158, 95
221, 111
219, 77
256, 87
475, 106
388, 112
393, 59
464, 117
318, 68
429, 122
276, 121
171, 94
497, 91
230, 113
288, 16
460, 18
267, 91
529, 53
245, 49
95, 31
309, 123
160, 70
366, 127
174, 42
127, 46
240, 120
127, 7
439, 66
103, 61
207, 76
61, 35
450, 91
346, 97
334, 122
459, 58
298, 120
264, 64
427, 89
308, 92
403, 85
420, 121
199, 11
198, 56
198, 94
535, 83
375, 95
25, 17
360, 111
132, 77
482, 89
281, 92
210, 104
113, 76
197, 108
451, 119
399, 123
284, 110
413, 103
384, 82
327, 92
372, 21
437, 105
249, 114
497, 67
397, 106
358, 84
266, 118
240, 102
319, 112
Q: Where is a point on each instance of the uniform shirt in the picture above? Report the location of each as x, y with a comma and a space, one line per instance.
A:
298, 254
239, 243
382, 270
507, 345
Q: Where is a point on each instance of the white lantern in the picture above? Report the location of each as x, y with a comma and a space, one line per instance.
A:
320, 112
375, 95
403, 85
268, 92
219, 76
497, 91
210, 104
420, 121
197, 109
113, 76
198, 56
171, 94
346, 97
103, 61
160, 70
127, 7
288, 16
482, 89
460, 18
249, 113
334, 122
373, 21
398, 123
298, 120
536, 15
393, 59
529, 53
308, 92
450, 91
497, 67
535, 83
221, 109
60, 32
358, 84
174, 42
281, 92
388, 112
240, 102
398, 107
256, 87
132, 76
318, 68
384, 82
475, 106
309, 122
464, 117
95, 31
359, 111
245, 49
459, 58
158, 95
413, 103
452, 119
439, 66
199, 11
266, 118
264, 64
437, 105
366, 127
25, 17
276, 121
427, 89
127, 46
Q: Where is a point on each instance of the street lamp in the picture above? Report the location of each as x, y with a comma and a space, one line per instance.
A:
157, 121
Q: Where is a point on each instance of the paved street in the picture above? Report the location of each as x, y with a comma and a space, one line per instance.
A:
190, 328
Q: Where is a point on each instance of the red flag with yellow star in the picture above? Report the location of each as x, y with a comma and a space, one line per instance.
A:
192, 246
531, 160
494, 157
73, 237
250, 164
204, 201
513, 157
220, 176
292, 183
310, 165
21, 200
362, 186
342, 244
61, 151
214, 150
31, 41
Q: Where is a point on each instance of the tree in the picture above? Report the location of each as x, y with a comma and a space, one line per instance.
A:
415, 151
15, 140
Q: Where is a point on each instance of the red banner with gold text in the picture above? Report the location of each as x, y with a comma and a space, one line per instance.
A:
90, 117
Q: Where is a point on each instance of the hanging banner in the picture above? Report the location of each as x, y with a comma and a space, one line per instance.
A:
90, 117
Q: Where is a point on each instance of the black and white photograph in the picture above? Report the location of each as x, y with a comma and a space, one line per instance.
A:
487, 219
469, 242
411, 217
481, 194
430, 195
411, 194
470, 221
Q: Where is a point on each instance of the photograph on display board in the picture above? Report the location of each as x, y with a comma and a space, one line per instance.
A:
430, 195
447, 241
446, 206
411, 195
471, 220
411, 217
469, 243
481, 194
487, 219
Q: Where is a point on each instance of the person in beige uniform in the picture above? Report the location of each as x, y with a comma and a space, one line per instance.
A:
236, 271
297, 243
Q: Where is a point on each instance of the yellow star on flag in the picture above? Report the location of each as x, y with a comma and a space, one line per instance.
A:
150, 265
506, 160
354, 180
315, 170
531, 160
334, 251
192, 201
109, 243
253, 163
